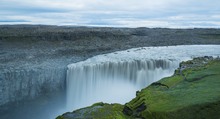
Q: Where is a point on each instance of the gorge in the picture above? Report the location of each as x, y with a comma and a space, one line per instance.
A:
42, 71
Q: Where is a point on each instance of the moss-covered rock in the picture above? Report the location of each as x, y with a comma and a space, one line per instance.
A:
98, 111
193, 92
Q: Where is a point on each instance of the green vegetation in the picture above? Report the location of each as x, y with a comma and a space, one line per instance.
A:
193, 92
98, 111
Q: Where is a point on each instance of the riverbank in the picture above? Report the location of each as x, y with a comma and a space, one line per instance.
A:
192, 92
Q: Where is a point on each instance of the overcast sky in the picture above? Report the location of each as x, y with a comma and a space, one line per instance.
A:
117, 13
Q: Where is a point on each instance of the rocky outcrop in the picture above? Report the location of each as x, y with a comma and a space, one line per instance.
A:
28, 84
159, 84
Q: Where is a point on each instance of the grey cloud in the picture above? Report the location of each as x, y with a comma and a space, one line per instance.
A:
161, 13
8, 20
15, 8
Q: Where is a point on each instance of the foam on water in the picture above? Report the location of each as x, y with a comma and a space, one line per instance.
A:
115, 77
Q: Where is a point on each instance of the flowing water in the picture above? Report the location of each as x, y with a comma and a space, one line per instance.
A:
113, 81
115, 77
111, 78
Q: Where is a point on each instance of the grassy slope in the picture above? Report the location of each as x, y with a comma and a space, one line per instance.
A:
97, 111
196, 96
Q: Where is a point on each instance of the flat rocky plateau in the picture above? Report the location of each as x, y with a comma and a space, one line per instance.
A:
27, 46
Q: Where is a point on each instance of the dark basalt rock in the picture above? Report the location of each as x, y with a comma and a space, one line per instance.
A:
137, 93
141, 107
159, 84
136, 112
127, 111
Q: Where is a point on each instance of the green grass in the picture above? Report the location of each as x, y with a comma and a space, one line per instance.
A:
100, 111
191, 96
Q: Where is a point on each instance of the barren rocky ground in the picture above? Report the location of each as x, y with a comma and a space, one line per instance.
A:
22, 46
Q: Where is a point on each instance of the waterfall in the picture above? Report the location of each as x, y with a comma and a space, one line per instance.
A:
115, 77
113, 81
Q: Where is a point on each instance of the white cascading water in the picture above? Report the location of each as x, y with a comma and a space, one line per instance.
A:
113, 81
115, 77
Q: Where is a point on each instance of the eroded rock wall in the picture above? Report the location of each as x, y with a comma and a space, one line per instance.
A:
27, 84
